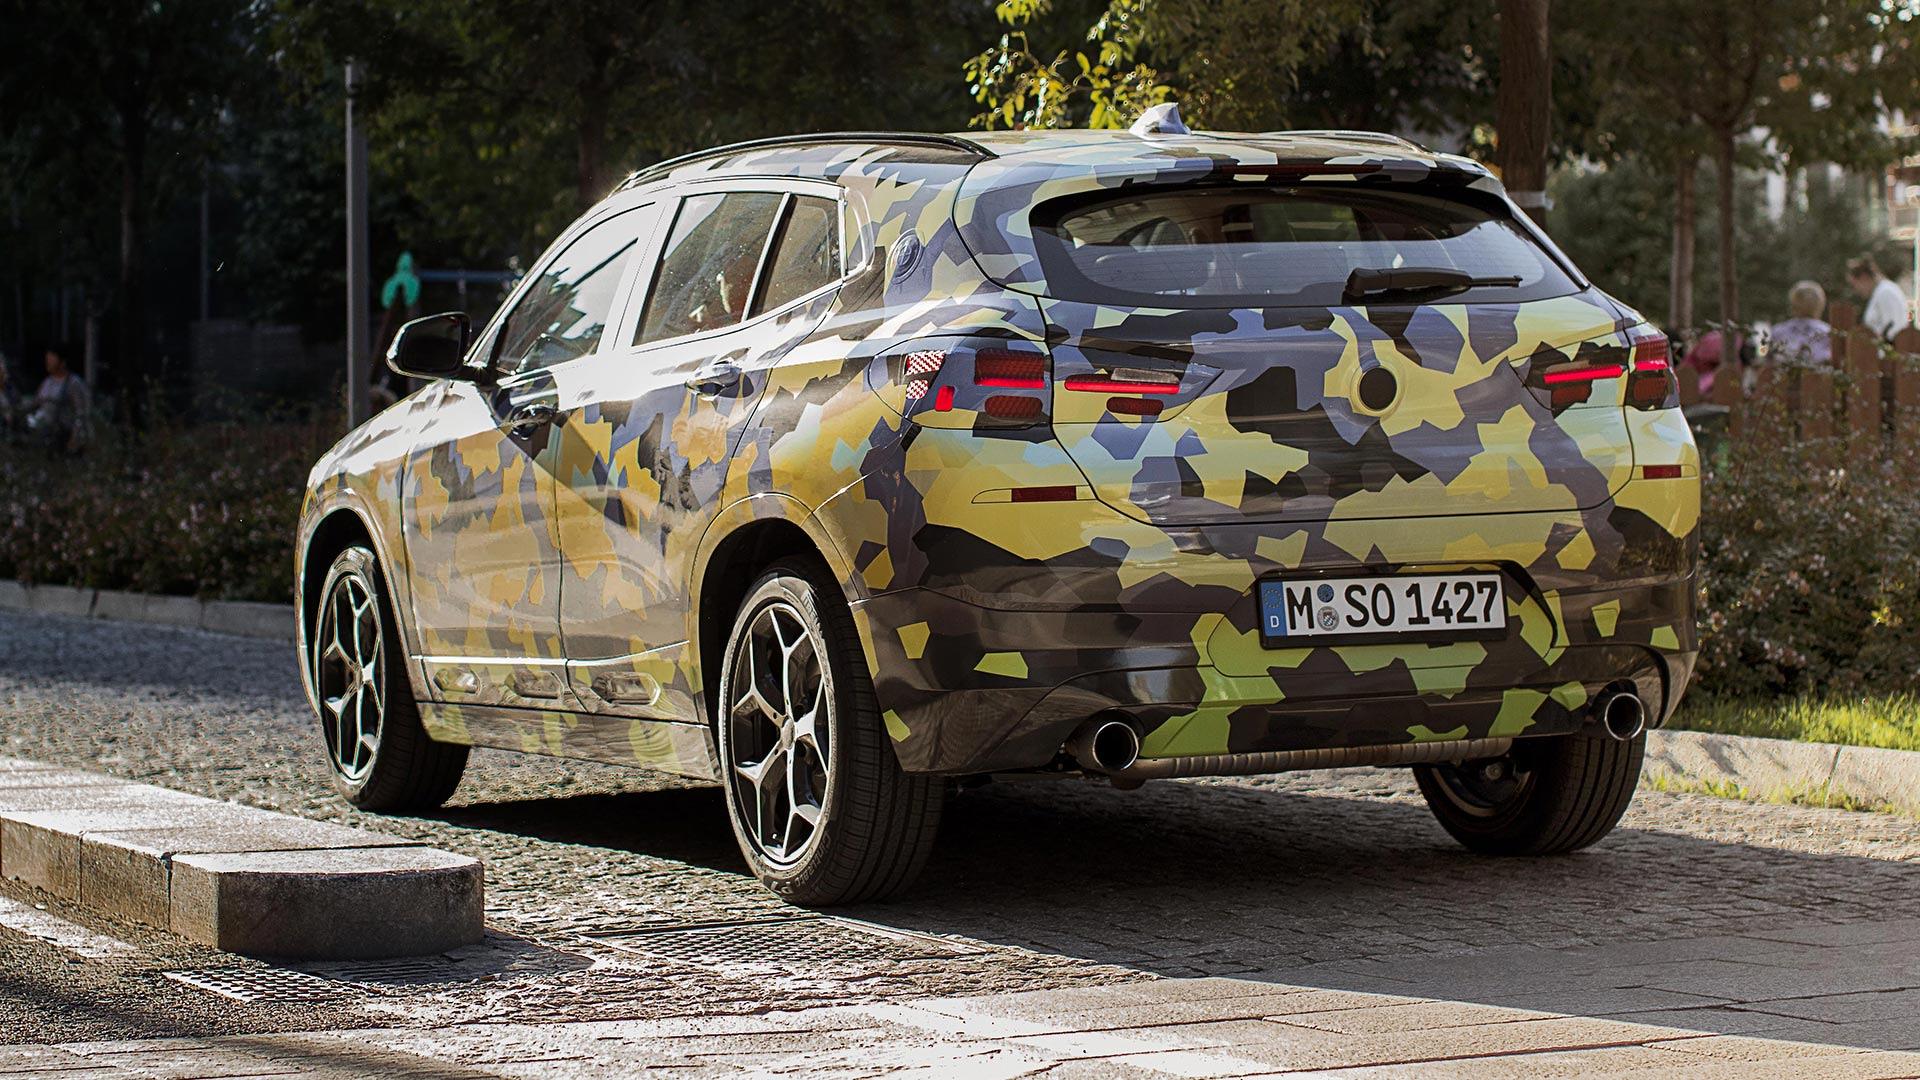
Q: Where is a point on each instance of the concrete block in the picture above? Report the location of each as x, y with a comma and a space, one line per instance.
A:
40, 857
1765, 767
60, 600
125, 606
96, 796
51, 777
1878, 775
13, 596
249, 619
332, 904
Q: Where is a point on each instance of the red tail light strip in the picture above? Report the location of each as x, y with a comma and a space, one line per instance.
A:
1586, 374
1099, 384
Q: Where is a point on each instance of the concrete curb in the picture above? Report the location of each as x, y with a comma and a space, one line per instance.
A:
220, 616
1780, 769
229, 876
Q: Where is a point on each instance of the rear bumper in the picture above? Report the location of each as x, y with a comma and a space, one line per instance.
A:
973, 689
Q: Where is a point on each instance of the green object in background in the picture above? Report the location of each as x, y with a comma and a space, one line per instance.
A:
1891, 721
404, 283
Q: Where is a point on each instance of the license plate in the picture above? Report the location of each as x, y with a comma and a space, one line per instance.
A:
1448, 604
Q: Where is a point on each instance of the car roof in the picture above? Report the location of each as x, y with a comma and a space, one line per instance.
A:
1065, 147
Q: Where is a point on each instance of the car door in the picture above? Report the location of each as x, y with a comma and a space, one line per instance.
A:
646, 458
479, 503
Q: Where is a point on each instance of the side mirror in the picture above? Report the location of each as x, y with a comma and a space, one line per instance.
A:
434, 347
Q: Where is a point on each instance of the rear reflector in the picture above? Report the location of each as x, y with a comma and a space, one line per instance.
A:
1660, 472
1055, 493
1010, 407
943, 399
1134, 406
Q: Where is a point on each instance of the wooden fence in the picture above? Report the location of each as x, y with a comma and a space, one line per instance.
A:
1865, 404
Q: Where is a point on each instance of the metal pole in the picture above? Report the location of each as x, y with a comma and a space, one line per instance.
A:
359, 366
206, 250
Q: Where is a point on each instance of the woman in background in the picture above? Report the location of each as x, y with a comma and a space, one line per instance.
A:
1806, 338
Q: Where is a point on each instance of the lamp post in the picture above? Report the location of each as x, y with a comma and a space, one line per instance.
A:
359, 363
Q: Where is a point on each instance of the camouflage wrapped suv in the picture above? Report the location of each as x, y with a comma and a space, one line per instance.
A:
837, 467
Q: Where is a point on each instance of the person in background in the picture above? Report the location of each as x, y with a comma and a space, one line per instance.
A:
62, 408
1710, 352
9, 401
1806, 338
1886, 310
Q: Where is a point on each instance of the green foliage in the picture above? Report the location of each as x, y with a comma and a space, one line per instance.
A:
1104, 86
1617, 223
1890, 721
1811, 578
208, 512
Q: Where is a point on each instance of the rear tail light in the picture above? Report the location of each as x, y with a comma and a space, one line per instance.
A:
1651, 385
1648, 377
966, 382
1123, 383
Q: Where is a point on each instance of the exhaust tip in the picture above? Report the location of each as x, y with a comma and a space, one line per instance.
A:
1623, 714
1107, 746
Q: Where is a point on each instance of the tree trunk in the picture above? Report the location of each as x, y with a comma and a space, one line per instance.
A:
1724, 197
132, 373
1523, 104
1680, 274
592, 129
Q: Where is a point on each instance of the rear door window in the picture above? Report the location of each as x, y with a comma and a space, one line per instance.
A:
1272, 246
708, 267
806, 254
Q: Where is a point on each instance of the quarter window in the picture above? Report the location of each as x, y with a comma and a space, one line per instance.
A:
806, 255
562, 314
706, 273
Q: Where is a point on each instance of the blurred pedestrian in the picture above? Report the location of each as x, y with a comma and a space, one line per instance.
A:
1710, 354
9, 401
1806, 338
1886, 310
62, 408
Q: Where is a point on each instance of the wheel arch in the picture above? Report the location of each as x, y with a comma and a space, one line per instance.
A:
746, 537
334, 529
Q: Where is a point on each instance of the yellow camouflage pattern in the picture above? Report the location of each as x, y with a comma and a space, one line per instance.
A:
563, 594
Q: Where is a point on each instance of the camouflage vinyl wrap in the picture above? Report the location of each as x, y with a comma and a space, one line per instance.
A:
993, 627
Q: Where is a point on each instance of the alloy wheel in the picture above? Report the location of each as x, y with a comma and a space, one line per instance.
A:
778, 743
351, 675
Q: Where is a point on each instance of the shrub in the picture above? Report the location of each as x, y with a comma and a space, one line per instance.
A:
207, 512
1811, 571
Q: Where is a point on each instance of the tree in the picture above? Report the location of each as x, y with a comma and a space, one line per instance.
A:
1524, 103
148, 76
1742, 82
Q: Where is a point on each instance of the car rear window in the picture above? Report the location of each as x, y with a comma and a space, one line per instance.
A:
806, 255
1278, 246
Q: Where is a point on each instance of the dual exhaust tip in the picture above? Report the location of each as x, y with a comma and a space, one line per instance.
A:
1112, 745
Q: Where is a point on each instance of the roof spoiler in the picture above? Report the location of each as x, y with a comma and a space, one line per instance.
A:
878, 138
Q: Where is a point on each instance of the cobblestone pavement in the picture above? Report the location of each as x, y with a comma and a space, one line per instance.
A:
1061, 925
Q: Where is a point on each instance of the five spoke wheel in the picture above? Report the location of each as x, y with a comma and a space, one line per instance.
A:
351, 675
779, 744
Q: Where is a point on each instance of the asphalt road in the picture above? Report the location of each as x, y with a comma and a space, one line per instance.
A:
601, 879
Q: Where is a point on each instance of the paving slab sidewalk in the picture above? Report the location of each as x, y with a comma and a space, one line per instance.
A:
229, 876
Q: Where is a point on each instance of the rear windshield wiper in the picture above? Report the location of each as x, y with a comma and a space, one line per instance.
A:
1364, 282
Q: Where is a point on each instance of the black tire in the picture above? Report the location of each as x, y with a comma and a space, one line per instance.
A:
404, 769
875, 824
1557, 794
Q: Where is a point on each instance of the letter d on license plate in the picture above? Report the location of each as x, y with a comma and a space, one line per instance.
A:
1443, 605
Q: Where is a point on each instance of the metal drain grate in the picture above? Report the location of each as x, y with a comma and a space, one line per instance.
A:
269, 986
815, 945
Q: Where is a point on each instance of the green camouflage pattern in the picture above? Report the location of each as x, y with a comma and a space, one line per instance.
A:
564, 576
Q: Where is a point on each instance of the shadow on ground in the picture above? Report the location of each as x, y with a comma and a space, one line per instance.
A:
1356, 888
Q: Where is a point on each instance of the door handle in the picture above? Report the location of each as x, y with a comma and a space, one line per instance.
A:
527, 419
715, 380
